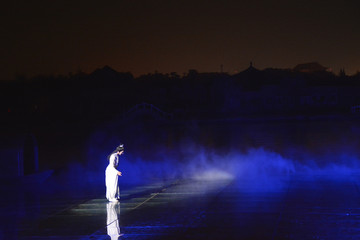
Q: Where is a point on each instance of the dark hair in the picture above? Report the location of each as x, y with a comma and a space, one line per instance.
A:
118, 149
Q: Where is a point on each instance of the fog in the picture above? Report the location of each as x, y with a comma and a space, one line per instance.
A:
261, 154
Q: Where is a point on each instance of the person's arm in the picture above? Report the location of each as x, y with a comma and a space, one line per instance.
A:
112, 165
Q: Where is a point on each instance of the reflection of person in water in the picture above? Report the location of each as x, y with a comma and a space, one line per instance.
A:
112, 174
112, 220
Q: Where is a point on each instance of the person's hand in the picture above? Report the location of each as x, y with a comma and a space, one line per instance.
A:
119, 173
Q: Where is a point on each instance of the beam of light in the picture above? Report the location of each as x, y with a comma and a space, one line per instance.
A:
213, 174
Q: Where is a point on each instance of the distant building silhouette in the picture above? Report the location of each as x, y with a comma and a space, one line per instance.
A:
342, 72
310, 67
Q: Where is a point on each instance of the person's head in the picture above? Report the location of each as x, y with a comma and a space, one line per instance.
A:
120, 149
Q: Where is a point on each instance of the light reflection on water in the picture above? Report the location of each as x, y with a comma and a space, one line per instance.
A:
112, 220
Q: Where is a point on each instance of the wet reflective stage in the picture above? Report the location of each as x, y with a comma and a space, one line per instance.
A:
293, 207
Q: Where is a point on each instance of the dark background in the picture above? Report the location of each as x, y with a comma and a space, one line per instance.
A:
58, 37
178, 126
173, 80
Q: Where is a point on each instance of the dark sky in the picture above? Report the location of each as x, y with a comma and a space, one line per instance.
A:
142, 36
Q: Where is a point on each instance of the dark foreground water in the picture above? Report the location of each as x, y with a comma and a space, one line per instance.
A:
298, 206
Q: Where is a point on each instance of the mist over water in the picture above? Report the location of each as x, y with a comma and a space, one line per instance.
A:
260, 154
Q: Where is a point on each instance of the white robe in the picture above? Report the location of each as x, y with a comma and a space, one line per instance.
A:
111, 178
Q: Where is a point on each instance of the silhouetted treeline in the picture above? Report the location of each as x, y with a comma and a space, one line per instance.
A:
106, 93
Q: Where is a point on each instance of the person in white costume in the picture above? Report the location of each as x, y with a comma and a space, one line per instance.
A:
112, 175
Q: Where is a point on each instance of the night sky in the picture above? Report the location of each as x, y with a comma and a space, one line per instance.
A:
143, 36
